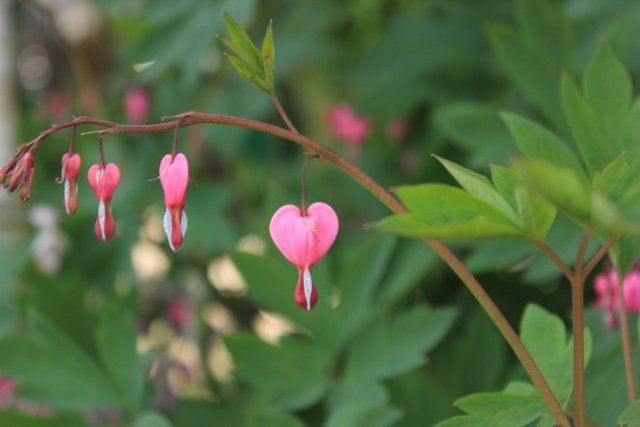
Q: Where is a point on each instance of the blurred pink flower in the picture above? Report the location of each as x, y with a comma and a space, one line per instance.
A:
304, 240
6, 390
174, 177
104, 181
136, 104
607, 297
346, 125
397, 130
177, 313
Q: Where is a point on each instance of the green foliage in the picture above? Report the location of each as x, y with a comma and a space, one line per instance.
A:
631, 416
545, 337
151, 419
255, 66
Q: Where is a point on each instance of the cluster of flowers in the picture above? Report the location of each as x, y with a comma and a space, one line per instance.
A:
104, 179
608, 298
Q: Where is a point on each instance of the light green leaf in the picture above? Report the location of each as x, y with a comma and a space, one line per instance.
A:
545, 337
247, 72
631, 416
242, 45
389, 347
534, 140
614, 178
536, 214
445, 212
479, 187
269, 58
151, 419
505, 181
559, 185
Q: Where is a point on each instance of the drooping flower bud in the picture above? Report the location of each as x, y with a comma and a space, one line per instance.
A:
22, 172
304, 240
70, 168
174, 177
104, 181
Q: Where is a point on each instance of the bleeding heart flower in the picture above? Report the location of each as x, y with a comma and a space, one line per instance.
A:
607, 299
174, 177
303, 240
104, 181
347, 125
70, 168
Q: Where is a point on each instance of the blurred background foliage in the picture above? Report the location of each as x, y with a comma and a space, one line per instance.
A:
128, 333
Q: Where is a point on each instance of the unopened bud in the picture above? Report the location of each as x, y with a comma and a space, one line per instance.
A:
25, 189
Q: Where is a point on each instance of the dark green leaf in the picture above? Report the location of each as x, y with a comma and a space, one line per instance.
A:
360, 404
293, 376
390, 347
496, 410
243, 46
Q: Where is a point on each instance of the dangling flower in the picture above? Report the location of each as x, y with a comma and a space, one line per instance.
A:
70, 168
303, 240
174, 177
607, 296
346, 125
103, 181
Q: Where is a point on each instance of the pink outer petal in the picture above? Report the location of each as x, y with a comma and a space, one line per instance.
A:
104, 181
303, 241
71, 165
174, 177
632, 292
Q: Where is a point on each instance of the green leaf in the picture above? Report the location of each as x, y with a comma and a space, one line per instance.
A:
292, 376
545, 337
631, 415
360, 404
266, 417
479, 187
389, 347
242, 45
116, 341
536, 214
496, 410
445, 212
560, 186
19, 419
151, 419
505, 181
54, 371
243, 69
614, 178
269, 58
534, 140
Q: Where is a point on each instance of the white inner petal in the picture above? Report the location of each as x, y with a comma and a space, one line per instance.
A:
66, 196
184, 223
101, 219
166, 224
308, 286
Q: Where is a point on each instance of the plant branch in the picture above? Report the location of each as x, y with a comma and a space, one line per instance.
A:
325, 153
283, 113
577, 314
582, 248
554, 258
598, 256
626, 345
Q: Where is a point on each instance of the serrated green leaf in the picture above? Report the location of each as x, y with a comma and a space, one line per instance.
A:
269, 58
614, 177
479, 187
390, 347
534, 140
243, 46
293, 375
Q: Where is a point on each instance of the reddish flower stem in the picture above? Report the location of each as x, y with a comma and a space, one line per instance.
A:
327, 154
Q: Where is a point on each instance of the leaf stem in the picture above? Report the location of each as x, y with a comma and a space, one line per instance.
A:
626, 345
577, 314
283, 113
554, 258
325, 153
